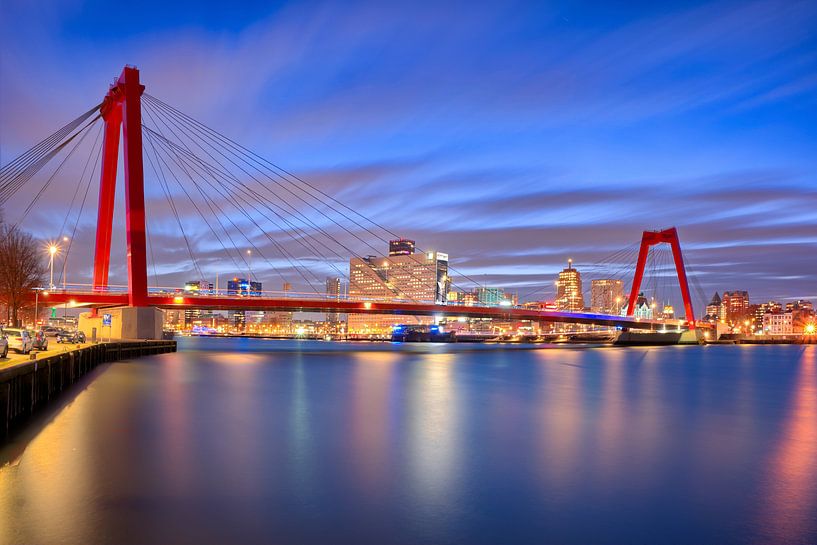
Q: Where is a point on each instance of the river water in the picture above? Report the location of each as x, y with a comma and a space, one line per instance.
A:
252, 441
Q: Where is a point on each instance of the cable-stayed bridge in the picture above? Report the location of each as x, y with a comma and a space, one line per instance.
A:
252, 209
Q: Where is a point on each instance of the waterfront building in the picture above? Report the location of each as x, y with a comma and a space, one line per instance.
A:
778, 323
569, 289
410, 277
606, 296
735, 306
759, 311
668, 313
401, 246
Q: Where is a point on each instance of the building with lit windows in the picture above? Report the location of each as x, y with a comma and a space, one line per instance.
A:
606, 296
241, 287
401, 246
771, 307
643, 309
735, 305
195, 287
409, 277
569, 289
715, 309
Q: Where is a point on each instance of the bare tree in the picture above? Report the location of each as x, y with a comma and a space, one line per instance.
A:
21, 270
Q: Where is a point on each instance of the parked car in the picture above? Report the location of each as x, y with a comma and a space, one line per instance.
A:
4, 346
51, 331
19, 340
40, 340
71, 337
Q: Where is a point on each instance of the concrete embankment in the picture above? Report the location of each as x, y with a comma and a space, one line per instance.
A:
29, 386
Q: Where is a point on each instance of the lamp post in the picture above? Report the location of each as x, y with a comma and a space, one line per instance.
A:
52, 250
64, 265
249, 272
37, 304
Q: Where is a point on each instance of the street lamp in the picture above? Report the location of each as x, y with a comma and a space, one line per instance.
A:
52, 250
64, 265
37, 303
249, 271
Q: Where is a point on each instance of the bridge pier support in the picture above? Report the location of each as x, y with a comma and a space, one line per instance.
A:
127, 323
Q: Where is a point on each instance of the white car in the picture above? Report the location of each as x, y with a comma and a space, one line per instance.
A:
19, 340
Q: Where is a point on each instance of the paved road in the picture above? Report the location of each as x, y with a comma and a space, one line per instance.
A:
53, 348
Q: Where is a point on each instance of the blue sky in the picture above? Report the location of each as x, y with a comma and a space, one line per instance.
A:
511, 135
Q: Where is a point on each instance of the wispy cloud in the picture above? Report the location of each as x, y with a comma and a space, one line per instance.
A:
510, 135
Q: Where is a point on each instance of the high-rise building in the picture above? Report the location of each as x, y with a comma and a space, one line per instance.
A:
736, 306
401, 246
606, 296
409, 277
333, 292
569, 289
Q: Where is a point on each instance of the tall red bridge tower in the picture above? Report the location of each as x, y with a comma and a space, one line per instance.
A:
122, 111
649, 239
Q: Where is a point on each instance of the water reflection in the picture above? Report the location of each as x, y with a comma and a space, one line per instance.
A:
792, 476
322, 443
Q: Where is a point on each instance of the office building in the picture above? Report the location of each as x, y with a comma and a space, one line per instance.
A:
606, 296
569, 289
408, 277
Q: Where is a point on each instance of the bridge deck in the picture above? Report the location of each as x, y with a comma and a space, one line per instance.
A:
305, 304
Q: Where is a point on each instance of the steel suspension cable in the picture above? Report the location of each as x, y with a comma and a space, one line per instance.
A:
282, 173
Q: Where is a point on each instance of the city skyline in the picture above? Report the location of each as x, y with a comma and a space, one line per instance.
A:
511, 184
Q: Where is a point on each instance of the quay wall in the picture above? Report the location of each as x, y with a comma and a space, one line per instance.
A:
29, 386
